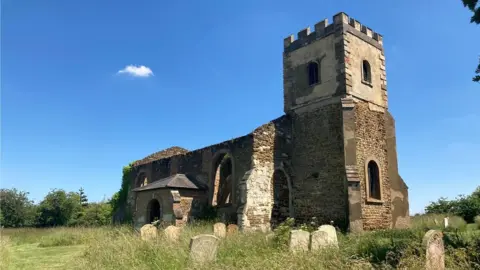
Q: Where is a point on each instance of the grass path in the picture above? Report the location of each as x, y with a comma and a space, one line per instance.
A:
30, 256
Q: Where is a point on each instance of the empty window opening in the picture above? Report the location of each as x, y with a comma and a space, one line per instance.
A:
281, 198
366, 72
142, 180
153, 211
374, 180
223, 181
312, 73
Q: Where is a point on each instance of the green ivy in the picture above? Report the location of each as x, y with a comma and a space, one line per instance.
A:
119, 199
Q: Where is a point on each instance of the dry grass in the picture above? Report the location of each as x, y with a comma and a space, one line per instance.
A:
122, 248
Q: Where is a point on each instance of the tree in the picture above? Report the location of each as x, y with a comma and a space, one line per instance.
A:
16, 210
472, 5
465, 206
442, 206
83, 197
58, 208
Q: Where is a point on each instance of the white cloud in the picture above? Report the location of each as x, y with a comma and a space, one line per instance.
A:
136, 71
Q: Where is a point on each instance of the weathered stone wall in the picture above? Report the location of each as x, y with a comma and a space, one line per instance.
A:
141, 203
319, 167
177, 206
296, 88
399, 190
358, 51
271, 150
201, 165
372, 145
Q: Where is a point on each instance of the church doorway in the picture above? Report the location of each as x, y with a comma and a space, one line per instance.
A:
153, 211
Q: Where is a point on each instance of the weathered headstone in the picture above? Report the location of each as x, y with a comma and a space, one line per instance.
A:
433, 243
232, 229
148, 232
203, 248
318, 240
220, 230
269, 237
331, 238
172, 233
299, 240
445, 222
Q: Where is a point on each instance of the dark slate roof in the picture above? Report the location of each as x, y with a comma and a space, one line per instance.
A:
166, 153
174, 181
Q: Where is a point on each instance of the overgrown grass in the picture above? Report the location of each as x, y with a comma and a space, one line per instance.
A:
436, 222
122, 248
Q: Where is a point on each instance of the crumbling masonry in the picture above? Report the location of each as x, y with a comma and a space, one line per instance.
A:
332, 155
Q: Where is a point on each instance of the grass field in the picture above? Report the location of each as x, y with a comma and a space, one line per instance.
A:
121, 248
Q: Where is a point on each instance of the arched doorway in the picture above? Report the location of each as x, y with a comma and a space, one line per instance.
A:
282, 203
223, 181
153, 211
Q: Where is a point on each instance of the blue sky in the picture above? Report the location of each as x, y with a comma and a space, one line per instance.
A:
70, 121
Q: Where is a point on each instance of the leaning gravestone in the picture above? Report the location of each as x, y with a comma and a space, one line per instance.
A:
203, 248
172, 233
232, 229
433, 243
331, 238
299, 240
219, 230
318, 240
148, 232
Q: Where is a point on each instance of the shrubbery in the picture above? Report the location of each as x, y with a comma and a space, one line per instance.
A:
466, 207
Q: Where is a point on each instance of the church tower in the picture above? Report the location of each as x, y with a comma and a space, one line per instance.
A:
344, 155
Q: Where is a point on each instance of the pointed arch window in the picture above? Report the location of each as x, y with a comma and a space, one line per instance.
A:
373, 173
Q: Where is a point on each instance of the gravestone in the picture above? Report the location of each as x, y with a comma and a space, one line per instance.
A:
172, 233
219, 230
445, 222
269, 237
331, 238
232, 229
433, 243
203, 248
318, 240
148, 232
299, 240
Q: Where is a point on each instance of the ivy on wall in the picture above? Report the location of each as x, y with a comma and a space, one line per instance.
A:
119, 199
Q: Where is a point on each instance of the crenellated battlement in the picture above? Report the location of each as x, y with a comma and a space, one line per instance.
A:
341, 22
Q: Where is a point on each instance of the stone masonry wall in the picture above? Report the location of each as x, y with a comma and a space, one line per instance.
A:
372, 145
271, 145
141, 202
200, 165
399, 190
319, 166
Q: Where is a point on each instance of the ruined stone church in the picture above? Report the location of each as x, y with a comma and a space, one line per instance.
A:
331, 156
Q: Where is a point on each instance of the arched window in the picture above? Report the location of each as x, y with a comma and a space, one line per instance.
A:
222, 180
373, 180
312, 73
282, 201
366, 72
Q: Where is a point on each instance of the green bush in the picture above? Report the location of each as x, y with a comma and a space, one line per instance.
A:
389, 246
477, 221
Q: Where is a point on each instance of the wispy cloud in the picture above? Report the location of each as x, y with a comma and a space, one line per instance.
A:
136, 71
